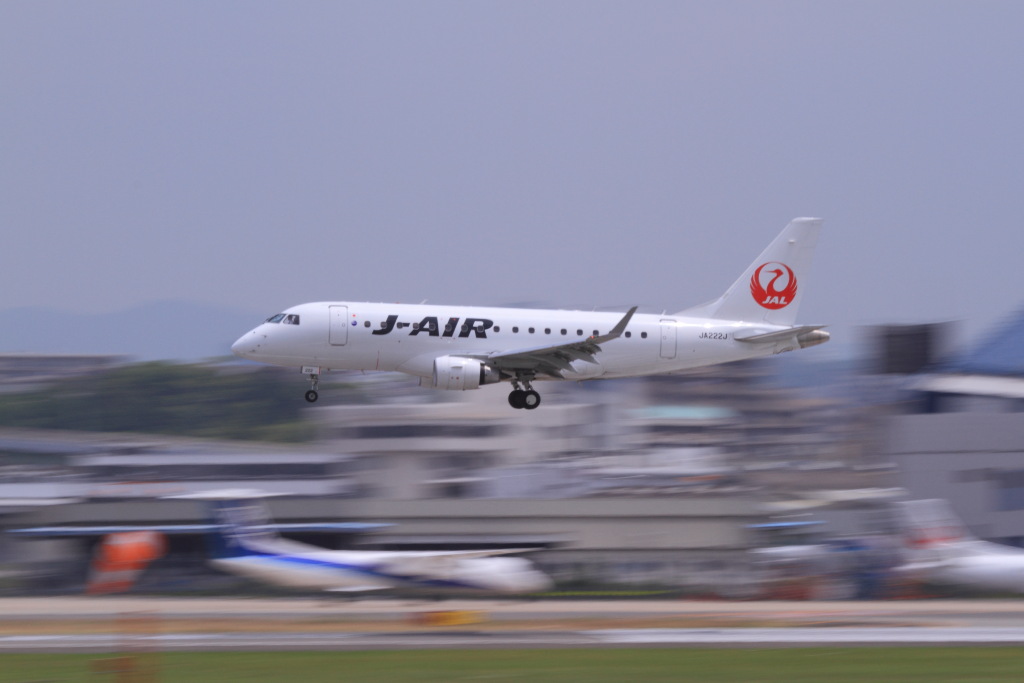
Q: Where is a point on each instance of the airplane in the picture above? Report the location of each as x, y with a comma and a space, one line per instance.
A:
942, 550
242, 539
463, 348
245, 543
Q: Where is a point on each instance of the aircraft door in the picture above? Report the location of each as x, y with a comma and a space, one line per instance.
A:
668, 339
339, 325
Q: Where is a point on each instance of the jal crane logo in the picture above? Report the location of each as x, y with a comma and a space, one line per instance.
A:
766, 288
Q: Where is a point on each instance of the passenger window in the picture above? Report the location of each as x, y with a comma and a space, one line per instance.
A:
628, 335
579, 333
515, 330
564, 332
276, 318
547, 330
531, 330
643, 335
366, 324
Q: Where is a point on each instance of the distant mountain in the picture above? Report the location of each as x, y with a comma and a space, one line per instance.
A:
164, 330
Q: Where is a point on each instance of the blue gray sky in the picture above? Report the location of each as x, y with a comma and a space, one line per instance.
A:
254, 155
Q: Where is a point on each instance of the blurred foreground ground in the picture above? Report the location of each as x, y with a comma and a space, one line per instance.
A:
113, 615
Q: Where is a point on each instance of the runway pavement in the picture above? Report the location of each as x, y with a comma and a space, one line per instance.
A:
1007, 613
632, 638
81, 624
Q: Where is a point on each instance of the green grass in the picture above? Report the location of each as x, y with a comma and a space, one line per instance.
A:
679, 665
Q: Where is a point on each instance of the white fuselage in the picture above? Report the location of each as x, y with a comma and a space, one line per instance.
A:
940, 549
972, 563
408, 338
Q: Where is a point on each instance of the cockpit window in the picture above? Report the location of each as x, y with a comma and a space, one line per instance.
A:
291, 319
276, 318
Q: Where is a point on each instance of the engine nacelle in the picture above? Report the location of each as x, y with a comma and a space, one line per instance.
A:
459, 374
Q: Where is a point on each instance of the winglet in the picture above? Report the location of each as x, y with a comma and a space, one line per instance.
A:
616, 331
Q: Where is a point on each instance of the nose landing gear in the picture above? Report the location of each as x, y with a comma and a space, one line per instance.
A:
314, 380
523, 398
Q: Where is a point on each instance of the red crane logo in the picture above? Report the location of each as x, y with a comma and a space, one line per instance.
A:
766, 289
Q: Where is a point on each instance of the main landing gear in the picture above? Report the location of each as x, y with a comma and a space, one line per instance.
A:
523, 398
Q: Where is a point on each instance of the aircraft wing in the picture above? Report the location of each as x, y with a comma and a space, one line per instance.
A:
554, 358
178, 529
483, 553
438, 563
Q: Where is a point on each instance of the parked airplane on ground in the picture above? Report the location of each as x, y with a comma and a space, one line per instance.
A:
242, 539
942, 550
458, 347
244, 543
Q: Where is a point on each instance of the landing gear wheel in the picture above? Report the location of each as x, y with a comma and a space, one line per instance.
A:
531, 399
314, 383
517, 399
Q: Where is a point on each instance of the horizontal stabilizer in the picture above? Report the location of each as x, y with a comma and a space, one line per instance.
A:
186, 529
804, 333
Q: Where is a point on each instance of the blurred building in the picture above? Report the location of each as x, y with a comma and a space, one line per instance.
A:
49, 467
441, 450
587, 433
957, 431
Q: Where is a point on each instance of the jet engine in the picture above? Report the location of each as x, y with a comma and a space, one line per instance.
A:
459, 374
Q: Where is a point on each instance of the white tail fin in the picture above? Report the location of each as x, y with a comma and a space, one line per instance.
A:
771, 289
239, 523
931, 524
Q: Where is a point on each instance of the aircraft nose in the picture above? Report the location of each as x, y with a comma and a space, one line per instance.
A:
246, 345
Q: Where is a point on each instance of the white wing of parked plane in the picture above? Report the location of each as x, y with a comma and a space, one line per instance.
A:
426, 562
